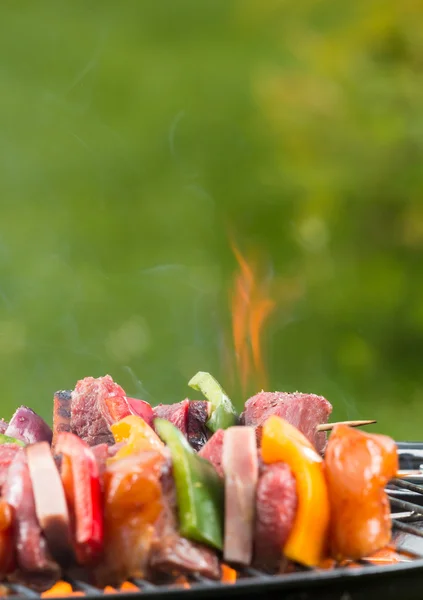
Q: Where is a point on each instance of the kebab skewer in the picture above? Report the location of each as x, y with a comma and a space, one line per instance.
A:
139, 478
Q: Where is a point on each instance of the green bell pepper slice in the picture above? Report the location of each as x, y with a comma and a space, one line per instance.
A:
223, 413
6, 439
199, 489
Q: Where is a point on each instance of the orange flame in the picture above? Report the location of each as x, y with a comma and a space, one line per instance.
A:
61, 589
251, 306
229, 575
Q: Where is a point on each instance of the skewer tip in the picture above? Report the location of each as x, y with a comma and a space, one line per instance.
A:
330, 426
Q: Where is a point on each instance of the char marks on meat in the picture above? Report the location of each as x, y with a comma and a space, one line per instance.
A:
304, 411
172, 554
276, 506
177, 414
35, 565
61, 413
213, 450
197, 432
88, 419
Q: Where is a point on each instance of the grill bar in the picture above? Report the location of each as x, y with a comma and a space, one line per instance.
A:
407, 485
22, 590
404, 505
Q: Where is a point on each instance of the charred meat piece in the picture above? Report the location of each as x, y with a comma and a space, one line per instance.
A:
96, 404
276, 505
29, 427
35, 565
7, 454
304, 411
172, 554
177, 414
358, 465
213, 450
240, 465
197, 432
61, 413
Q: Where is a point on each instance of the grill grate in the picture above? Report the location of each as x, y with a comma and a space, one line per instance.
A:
305, 583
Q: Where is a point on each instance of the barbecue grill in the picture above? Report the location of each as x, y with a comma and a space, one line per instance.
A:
364, 580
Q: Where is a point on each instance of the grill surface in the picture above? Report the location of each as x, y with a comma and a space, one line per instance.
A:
366, 581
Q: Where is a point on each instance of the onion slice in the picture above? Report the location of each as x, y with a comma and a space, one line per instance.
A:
29, 427
240, 466
50, 502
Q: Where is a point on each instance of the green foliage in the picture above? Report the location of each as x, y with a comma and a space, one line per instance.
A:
133, 133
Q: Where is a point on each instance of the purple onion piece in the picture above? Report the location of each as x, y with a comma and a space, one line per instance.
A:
27, 426
3, 425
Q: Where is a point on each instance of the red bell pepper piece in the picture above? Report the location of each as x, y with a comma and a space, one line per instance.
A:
142, 409
83, 490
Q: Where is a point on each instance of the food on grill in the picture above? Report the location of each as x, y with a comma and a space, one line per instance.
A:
276, 507
62, 402
141, 409
35, 564
132, 504
7, 454
81, 482
50, 502
6, 439
134, 435
7, 558
166, 492
222, 411
177, 414
27, 426
358, 466
172, 554
213, 450
97, 404
199, 489
197, 431
304, 411
240, 466
282, 442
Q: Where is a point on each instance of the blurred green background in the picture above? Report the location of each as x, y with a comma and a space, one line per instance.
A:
135, 134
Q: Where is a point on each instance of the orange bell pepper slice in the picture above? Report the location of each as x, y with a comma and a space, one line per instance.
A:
282, 442
137, 434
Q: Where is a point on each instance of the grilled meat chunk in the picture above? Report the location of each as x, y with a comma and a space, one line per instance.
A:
197, 432
177, 414
96, 404
304, 411
7, 454
213, 450
276, 505
35, 565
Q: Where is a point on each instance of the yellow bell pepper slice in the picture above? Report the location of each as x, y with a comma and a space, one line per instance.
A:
282, 442
137, 434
